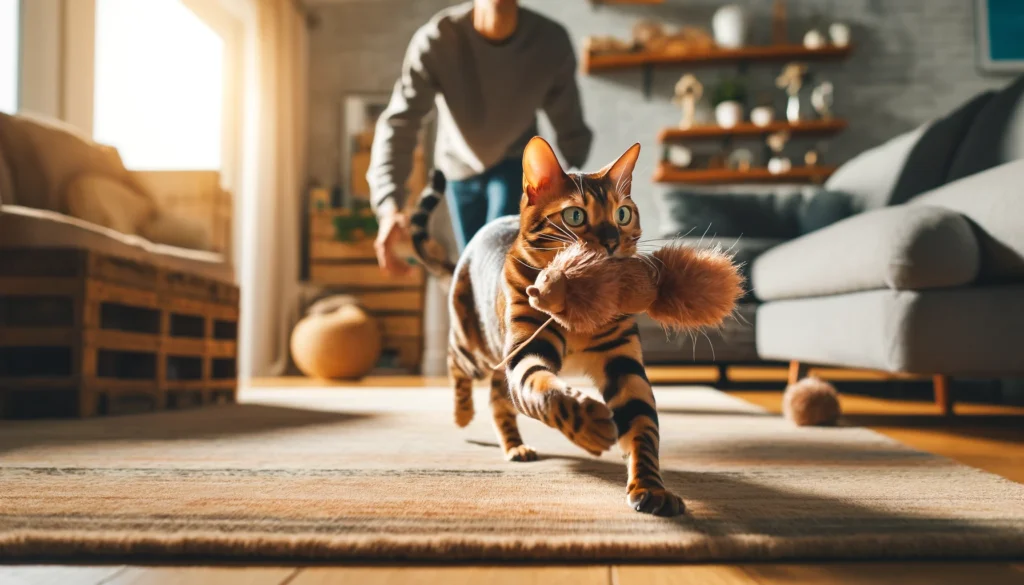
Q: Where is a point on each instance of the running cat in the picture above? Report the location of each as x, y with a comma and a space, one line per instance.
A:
491, 315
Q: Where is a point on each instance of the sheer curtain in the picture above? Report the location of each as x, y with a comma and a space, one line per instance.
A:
274, 166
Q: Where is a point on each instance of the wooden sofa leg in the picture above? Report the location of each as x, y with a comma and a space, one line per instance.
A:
797, 371
943, 394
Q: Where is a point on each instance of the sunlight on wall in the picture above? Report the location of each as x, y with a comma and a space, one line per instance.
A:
159, 85
8, 56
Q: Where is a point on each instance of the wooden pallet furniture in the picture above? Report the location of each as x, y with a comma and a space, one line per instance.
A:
350, 267
84, 333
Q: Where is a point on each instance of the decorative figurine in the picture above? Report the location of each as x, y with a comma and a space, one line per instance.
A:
647, 33
605, 44
688, 91
679, 156
740, 159
792, 79
762, 116
840, 34
814, 39
778, 164
821, 99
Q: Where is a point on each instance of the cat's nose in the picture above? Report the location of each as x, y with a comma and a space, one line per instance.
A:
608, 236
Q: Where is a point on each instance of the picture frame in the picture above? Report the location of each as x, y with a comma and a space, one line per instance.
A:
999, 44
359, 114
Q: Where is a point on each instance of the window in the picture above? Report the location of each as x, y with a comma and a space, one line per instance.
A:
9, 56
159, 85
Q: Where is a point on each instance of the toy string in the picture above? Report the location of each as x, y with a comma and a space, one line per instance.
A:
519, 347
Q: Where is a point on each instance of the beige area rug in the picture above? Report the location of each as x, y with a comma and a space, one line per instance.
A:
384, 474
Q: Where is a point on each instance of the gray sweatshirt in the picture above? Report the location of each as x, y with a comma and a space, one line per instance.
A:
487, 96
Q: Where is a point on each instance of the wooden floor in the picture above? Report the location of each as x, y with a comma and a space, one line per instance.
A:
983, 436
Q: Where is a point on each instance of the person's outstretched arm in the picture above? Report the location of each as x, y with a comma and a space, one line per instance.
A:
394, 142
563, 108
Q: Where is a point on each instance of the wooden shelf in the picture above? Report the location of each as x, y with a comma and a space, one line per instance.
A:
666, 173
606, 61
832, 126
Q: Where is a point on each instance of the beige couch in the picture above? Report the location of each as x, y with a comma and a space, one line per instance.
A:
49, 174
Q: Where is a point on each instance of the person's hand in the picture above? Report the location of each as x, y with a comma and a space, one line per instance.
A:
394, 228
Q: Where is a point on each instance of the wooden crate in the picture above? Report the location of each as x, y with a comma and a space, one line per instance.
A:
350, 267
84, 334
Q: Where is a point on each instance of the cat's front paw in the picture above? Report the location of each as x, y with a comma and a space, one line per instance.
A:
657, 501
521, 453
585, 421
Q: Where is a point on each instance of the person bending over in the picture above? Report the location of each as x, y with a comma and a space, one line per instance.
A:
488, 66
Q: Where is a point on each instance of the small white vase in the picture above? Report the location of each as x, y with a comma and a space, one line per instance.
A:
779, 165
840, 34
814, 39
728, 114
762, 116
679, 156
729, 26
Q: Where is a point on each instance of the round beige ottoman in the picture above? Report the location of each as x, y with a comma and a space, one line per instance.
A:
336, 340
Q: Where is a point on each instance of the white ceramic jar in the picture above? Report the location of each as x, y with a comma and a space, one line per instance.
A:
729, 26
728, 114
762, 116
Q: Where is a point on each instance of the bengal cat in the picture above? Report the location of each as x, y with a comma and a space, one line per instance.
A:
491, 315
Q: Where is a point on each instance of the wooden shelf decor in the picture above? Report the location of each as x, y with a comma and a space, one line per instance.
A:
667, 173
708, 131
592, 62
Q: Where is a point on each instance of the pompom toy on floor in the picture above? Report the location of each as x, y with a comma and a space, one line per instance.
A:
811, 402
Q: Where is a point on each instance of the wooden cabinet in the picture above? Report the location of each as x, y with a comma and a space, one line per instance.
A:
350, 267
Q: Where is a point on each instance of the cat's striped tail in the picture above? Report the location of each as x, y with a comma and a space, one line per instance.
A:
429, 251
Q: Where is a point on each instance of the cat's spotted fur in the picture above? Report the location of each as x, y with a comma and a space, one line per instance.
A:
491, 315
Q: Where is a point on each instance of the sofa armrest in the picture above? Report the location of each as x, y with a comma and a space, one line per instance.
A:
993, 201
901, 248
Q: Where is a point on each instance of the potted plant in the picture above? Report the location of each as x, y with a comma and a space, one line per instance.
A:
728, 99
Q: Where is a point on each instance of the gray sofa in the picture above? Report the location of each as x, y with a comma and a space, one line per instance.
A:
924, 274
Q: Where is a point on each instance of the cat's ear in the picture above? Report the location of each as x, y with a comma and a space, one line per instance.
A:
620, 173
542, 173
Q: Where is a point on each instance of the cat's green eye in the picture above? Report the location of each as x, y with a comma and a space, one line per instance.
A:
624, 214
574, 216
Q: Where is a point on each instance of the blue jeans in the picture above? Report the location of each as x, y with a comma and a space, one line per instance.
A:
477, 200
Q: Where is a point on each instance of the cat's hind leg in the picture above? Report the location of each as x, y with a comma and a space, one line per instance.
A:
463, 386
504, 413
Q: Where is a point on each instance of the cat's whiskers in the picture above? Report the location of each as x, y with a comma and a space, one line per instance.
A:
555, 238
564, 230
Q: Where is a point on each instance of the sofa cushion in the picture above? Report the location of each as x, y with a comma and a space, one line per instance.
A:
961, 331
901, 247
991, 137
25, 227
993, 201
108, 202
927, 165
45, 155
754, 215
870, 176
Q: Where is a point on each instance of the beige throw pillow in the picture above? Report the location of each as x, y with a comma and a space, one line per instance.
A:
109, 202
